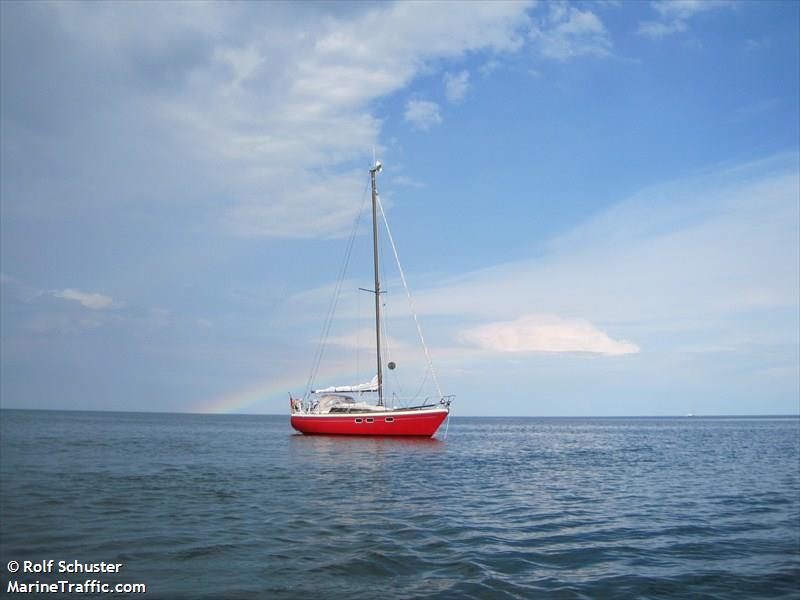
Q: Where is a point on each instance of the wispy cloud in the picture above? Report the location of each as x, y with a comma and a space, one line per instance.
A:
422, 114
674, 15
678, 270
87, 299
288, 99
546, 333
338, 194
456, 86
705, 254
489, 67
567, 32
658, 29
72, 311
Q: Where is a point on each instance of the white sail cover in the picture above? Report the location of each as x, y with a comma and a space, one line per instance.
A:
371, 386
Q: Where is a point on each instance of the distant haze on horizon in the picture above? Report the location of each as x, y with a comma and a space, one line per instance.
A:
597, 204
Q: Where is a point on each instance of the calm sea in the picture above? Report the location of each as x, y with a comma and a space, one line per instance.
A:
236, 507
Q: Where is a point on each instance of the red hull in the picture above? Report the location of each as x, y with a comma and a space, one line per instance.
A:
411, 423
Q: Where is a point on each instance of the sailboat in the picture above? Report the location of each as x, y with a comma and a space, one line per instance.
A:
343, 410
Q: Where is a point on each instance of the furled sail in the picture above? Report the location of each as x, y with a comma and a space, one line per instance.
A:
370, 386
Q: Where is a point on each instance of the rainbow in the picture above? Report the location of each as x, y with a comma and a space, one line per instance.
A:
267, 395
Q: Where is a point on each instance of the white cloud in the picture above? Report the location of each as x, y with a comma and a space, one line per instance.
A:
658, 29
456, 86
687, 263
675, 14
546, 333
333, 199
489, 67
422, 114
716, 254
568, 32
214, 117
685, 9
751, 45
86, 299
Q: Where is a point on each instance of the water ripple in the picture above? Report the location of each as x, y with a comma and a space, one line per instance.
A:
238, 507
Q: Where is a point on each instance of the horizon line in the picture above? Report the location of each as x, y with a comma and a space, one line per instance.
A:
597, 416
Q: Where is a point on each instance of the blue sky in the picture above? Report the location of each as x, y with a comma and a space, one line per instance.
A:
596, 203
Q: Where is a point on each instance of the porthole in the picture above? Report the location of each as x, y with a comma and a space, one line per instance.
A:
370, 419
389, 419
359, 420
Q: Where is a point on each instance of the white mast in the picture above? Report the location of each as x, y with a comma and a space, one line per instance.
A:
376, 169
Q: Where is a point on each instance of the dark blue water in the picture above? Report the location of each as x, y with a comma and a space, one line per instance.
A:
240, 507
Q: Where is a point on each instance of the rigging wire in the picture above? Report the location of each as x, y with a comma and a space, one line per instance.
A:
410, 299
358, 337
385, 339
389, 354
335, 300
422, 384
